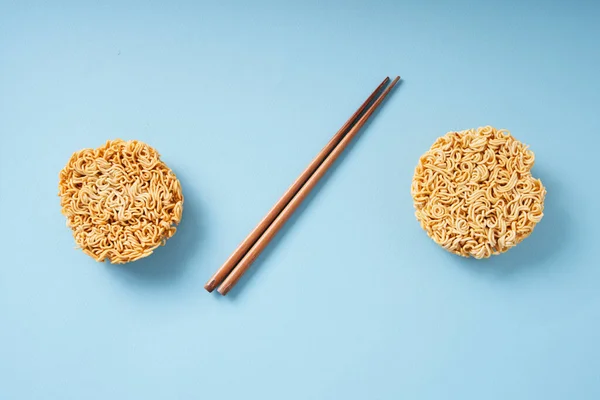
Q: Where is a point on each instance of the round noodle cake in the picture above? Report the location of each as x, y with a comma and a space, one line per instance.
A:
120, 200
474, 194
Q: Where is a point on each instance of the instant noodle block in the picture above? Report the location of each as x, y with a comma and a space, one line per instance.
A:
474, 194
120, 200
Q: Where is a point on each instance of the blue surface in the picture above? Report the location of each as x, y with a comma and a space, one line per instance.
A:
352, 300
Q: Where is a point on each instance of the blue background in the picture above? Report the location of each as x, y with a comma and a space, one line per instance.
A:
352, 300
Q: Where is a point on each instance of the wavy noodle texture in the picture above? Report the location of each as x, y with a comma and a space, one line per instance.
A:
120, 200
474, 194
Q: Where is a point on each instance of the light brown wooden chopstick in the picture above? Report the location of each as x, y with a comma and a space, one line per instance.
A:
262, 226
243, 265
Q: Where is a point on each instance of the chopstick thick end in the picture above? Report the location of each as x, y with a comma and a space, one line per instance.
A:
210, 285
224, 289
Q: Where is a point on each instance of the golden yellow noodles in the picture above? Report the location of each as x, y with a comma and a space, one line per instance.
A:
474, 194
120, 200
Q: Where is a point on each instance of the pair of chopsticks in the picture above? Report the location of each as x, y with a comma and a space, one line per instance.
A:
245, 254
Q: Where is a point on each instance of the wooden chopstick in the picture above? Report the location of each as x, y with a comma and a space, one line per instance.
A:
243, 248
289, 209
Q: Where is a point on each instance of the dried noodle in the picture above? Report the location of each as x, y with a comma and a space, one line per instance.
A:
120, 200
474, 194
